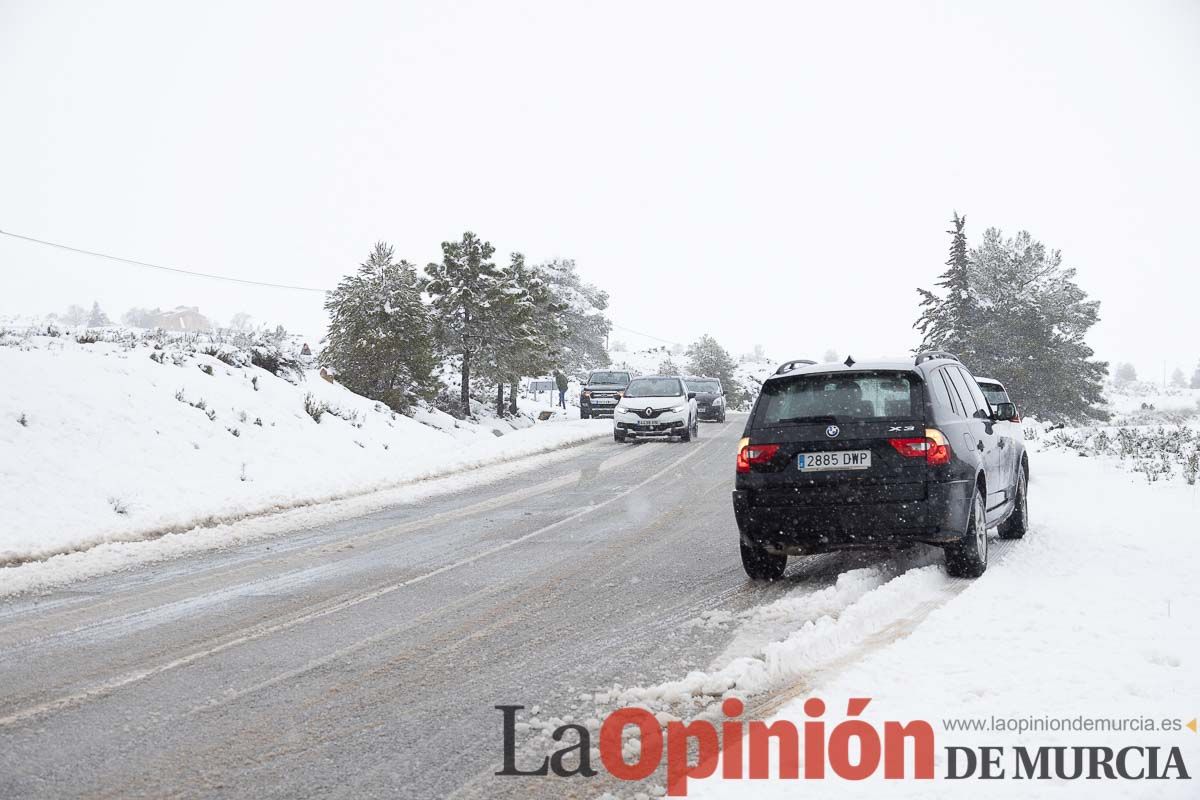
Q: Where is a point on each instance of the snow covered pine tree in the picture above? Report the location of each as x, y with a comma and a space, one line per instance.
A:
380, 337
1012, 312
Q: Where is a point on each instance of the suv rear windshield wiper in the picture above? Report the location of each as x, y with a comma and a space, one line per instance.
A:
828, 418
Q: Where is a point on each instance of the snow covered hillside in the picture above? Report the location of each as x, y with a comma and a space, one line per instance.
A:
139, 434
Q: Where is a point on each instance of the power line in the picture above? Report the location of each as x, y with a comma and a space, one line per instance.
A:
161, 267
211, 276
647, 335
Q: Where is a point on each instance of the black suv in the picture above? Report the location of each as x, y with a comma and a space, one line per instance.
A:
710, 397
600, 395
883, 454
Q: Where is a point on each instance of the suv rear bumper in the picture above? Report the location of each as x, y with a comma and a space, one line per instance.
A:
940, 518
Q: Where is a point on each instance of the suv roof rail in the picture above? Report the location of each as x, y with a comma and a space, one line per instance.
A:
930, 355
788, 366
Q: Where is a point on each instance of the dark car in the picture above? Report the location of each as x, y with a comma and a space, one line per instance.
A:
603, 390
710, 397
883, 454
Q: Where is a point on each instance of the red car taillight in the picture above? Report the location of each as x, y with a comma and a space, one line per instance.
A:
932, 447
754, 454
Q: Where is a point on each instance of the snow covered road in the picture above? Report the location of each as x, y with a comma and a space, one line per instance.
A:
370, 653
365, 657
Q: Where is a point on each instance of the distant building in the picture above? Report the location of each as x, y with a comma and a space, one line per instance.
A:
182, 318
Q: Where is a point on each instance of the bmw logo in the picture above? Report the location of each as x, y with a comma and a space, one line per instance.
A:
832, 431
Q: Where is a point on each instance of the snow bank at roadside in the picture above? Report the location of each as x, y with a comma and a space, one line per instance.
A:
1095, 614
100, 442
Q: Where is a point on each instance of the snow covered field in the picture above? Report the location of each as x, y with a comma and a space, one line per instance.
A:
103, 443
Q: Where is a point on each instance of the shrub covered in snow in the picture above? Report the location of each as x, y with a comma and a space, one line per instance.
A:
1157, 453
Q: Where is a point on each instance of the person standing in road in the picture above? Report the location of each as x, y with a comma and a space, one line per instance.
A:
560, 381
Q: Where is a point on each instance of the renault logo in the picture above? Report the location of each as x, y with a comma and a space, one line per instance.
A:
832, 431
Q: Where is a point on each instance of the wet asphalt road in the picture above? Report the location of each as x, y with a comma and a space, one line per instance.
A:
365, 658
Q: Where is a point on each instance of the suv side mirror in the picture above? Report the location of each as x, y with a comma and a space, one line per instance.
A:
691, 395
1004, 412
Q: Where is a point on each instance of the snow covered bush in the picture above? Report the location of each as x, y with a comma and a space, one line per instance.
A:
1154, 452
314, 408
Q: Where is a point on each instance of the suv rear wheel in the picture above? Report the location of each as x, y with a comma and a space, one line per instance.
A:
967, 558
761, 565
1018, 521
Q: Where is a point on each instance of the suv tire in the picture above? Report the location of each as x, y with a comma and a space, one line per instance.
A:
619, 436
761, 565
686, 436
967, 558
1018, 521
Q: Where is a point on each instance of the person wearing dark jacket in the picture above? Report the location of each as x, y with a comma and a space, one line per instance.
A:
560, 381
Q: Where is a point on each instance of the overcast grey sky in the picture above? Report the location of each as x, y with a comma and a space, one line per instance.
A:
774, 173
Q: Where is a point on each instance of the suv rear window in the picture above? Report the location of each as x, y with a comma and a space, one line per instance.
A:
840, 397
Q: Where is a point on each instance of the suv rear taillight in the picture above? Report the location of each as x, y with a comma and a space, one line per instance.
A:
754, 454
932, 447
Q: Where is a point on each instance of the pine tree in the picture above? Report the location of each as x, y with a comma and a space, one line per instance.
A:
947, 322
1031, 329
461, 288
1014, 313
582, 316
668, 366
1195, 383
707, 358
97, 318
524, 331
1177, 379
380, 337
1125, 373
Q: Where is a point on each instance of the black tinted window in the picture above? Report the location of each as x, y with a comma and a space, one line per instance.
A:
941, 393
959, 386
843, 396
977, 397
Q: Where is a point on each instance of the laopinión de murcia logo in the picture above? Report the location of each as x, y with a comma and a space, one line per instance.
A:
852, 749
